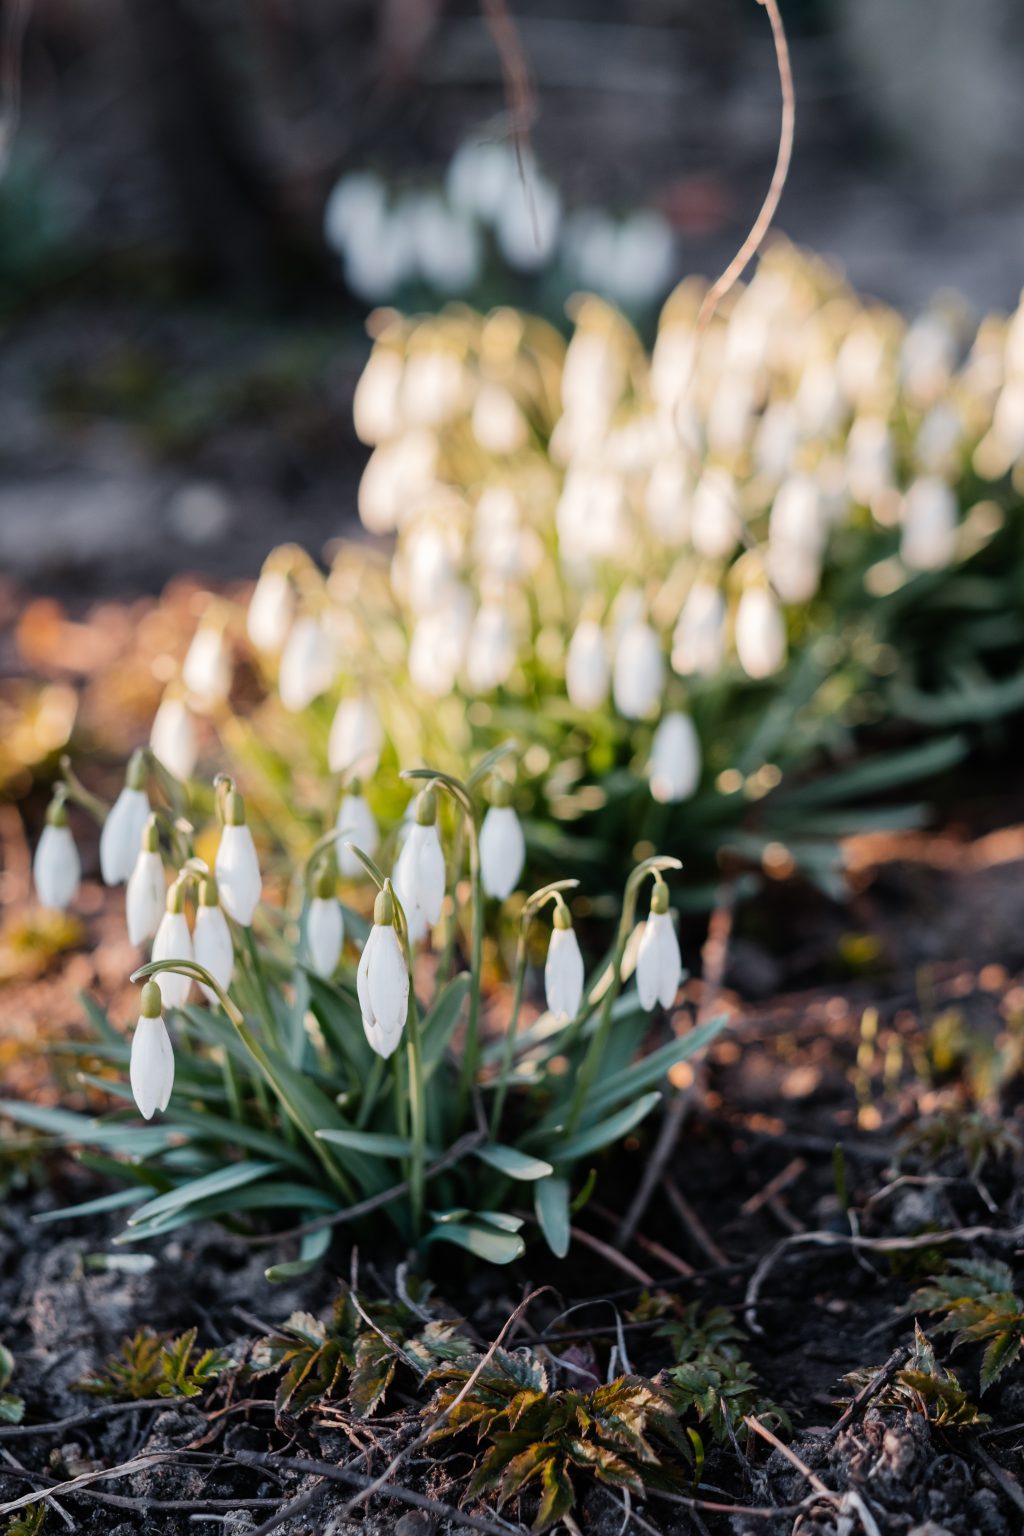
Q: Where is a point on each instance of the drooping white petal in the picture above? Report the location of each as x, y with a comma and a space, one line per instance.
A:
760, 633
206, 670
698, 644
357, 824
491, 653
502, 851
325, 931
121, 835
675, 765
146, 897
308, 664
270, 612
563, 974
173, 942
56, 868
211, 942
238, 873
639, 672
382, 984
928, 538
173, 737
151, 1070
356, 738
659, 967
420, 879
587, 672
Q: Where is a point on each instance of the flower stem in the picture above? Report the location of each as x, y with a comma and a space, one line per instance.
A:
510, 1035
418, 1113
471, 1049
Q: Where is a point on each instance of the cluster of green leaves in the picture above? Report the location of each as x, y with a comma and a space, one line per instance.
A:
979, 1137
924, 1386
975, 1300
351, 1358
12, 1407
710, 1379
28, 1522
626, 1433
150, 1364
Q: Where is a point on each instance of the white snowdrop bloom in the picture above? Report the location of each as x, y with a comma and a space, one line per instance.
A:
376, 402
645, 258
172, 737
151, 1070
672, 361
124, 826
930, 516
587, 670
173, 941
491, 652
146, 896
270, 612
589, 248
638, 679
714, 519
56, 868
446, 244
382, 981
498, 424
236, 866
528, 222
308, 664
380, 253
796, 539
325, 924
479, 176
594, 377
939, 438
357, 824
760, 633
592, 516
211, 940
438, 646
667, 499
927, 358
731, 415
869, 458
502, 845
860, 362
419, 872
698, 643
424, 570
206, 670
776, 439
819, 399
659, 965
675, 766
434, 386
563, 968
357, 737
500, 544
356, 200
398, 476
1008, 420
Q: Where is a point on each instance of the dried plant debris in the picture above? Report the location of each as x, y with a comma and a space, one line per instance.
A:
978, 1137
924, 1387
154, 1365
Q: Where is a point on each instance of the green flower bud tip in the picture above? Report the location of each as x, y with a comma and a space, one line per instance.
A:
234, 811
57, 815
151, 1005
501, 793
659, 897
176, 896
151, 836
563, 917
384, 910
426, 808
325, 884
209, 896
135, 777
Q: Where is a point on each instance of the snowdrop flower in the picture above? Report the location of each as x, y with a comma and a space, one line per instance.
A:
356, 738
928, 539
592, 516
587, 672
206, 670
760, 633
479, 176
123, 828
211, 940
491, 652
325, 927
174, 942
502, 846
397, 475
236, 867
714, 520
497, 423
357, 824
698, 644
382, 980
667, 499
152, 1062
563, 969
434, 386
376, 407
420, 872
146, 896
446, 244
307, 664
675, 765
271, 609
528, 221
56, 868
659, 967
355, 200
438, 645
796, 539
639, 675
172, 737
869, 456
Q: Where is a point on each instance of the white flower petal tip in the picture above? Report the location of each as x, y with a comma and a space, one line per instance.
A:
211, 943
675, 765
563, 974
502, 851
356, 824
121, 835
173, 942
152, 1066
325, 933
659, 966
56, 868
146, 896
420, 879
173, 738
760, 633
639, 676
238, 873
587, 672
382, 984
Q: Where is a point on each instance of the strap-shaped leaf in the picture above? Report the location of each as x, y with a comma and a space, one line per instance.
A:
311, 1250
594, 1137
233, 1177
513, 1163
551, 1204
483, 1242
